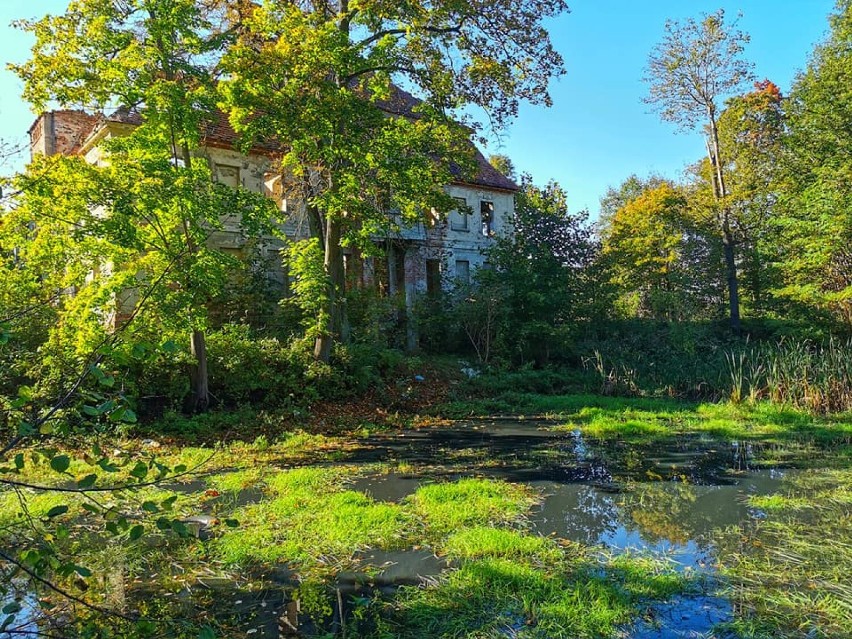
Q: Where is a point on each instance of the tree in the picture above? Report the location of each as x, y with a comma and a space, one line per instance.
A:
616, 198
323, 81
542, 274
504, 164
658, 256
696, 65
751, 134
816, 223
155, 59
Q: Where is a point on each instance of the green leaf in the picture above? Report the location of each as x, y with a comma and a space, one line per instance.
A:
19, 461
60, 463
82, 571
88, 481
25, 429
150, 507
106, 466
168, 502
91, 410
170, 347
56, 511
139, 470
11, 608
232, 523
206, 633
136, 532
164, 524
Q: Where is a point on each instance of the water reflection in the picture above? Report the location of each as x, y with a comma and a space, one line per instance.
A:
667, 497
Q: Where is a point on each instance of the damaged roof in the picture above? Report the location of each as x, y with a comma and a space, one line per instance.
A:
219, 132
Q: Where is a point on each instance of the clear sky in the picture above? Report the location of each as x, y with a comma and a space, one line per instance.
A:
598, 131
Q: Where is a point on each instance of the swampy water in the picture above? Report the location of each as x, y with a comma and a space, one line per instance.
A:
668, 498
665, 498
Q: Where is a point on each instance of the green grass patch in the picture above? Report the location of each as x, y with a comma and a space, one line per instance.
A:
641, 420
498, 543
447, 507
310, 521
500, 596
790, 573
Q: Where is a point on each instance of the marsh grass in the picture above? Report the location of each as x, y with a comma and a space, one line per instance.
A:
504, 594
647, 420
310, 521
485, 541
449, 506
812, 376
790, 573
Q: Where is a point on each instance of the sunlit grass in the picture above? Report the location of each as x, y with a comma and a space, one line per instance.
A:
790, 574
310, 521
500, 596
447, 507
498, 543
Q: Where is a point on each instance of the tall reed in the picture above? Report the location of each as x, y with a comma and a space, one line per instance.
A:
813, 376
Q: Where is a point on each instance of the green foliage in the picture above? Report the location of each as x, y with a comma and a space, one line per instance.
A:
326, 103
310, 283
540, 284
658, 257
815, 228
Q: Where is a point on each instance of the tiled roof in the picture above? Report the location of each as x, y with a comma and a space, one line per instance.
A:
219, 132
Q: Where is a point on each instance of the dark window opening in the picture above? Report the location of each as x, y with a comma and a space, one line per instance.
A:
433, 277
463, 271
486, 210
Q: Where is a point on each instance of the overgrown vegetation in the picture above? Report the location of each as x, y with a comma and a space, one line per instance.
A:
789, 572
185, 382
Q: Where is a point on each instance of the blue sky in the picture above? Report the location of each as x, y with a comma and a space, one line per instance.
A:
598, 131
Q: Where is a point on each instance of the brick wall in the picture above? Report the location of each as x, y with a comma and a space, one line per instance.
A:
60, 132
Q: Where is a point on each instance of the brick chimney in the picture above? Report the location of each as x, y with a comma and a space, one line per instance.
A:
60, 132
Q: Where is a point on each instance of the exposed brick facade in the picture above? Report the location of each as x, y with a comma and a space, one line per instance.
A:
61, 132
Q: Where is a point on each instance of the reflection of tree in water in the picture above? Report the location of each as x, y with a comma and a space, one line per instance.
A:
660, 512
578, 512
681, 458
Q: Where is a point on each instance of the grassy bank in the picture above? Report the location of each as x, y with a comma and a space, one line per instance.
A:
259, 502
646, 419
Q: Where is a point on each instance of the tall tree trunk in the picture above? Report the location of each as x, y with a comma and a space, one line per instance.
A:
333, 319
733, 280
199, 396
334, 316
728, 245
199, 382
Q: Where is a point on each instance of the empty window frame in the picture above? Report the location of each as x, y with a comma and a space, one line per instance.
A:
228, 175
486, 211
433, 277
459, 219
